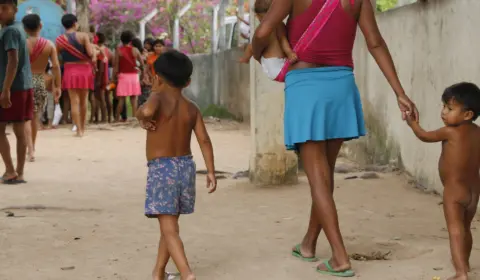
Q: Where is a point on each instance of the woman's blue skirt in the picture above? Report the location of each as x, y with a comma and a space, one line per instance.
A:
321, 104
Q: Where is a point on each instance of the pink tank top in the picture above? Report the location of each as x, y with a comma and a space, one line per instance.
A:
334, 44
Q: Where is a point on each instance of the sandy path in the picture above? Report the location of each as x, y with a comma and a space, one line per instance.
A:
94, 192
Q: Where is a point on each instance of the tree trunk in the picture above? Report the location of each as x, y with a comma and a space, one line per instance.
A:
83, 15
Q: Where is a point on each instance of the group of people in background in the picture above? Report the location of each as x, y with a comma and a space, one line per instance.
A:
76, 70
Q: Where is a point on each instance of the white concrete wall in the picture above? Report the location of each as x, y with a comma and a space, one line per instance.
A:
218, 79
434, 45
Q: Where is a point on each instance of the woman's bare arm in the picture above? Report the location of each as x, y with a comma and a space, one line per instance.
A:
91, 52
278, 11
287, 49
379, 50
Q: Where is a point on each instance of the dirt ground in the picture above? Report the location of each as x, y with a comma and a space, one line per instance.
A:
81, 217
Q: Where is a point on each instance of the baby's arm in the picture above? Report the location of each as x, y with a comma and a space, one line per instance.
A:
438, 135
247, 55
287, 49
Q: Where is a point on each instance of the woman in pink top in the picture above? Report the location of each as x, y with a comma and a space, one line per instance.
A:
322, 103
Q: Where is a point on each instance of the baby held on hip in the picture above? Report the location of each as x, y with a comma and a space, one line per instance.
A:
275, 55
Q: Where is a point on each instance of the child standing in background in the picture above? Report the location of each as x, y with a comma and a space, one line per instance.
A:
459, 167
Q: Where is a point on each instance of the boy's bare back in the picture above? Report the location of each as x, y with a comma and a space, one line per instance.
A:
175, 119
460, 159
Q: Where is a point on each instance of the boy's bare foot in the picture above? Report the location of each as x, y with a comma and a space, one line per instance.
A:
459, 277
189, 277
31, 157
468, 266
159, 275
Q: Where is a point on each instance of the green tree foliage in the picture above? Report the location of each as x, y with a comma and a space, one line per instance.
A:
384, 5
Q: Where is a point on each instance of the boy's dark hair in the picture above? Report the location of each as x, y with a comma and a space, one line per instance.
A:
126, 37
31, 22
465, 94
158, 42
137, 43
13, 2
175, 67
69, 20
148, 41
101, 38
262, 6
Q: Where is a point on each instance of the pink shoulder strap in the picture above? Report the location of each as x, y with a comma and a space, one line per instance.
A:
311, 33
38, 49
62, 41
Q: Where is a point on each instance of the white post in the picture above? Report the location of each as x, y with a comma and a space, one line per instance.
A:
71, 7
223, 29
176, 28
241, 14
215, 28
144, 22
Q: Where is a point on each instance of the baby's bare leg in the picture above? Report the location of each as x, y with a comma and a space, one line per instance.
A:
171, 233
455, 217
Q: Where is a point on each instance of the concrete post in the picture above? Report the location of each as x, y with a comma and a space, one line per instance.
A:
270, 163
176, 27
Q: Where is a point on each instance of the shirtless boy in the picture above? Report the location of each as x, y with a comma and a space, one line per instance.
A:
16, 98
279, 49
41, 51
459, 167
170, 119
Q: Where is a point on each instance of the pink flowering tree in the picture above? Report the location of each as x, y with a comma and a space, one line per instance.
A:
114, 16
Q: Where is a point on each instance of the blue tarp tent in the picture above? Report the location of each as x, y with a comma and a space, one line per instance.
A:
50, 13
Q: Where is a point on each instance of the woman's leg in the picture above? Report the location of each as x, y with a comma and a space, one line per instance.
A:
108, 102
66, 108
93, 105
83, 102
120, 107
319, 173
124, 111
134, 103
101, 104
309, 242
75, 108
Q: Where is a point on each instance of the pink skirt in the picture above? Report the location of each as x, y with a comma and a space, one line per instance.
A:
128, 84
77, 76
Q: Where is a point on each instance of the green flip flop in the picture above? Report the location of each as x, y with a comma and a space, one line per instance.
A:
332, 272
298, 254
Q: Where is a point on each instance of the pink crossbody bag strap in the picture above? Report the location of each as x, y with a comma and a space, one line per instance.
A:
311, 33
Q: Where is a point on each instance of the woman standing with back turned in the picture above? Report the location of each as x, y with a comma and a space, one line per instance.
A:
322, 102
78, 57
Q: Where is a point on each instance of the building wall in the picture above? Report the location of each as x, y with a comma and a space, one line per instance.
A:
220, 80
433, 45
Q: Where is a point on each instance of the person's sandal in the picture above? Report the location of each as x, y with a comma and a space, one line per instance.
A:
296, 252
330, 271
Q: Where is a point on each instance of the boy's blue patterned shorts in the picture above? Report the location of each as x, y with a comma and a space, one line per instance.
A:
170, 186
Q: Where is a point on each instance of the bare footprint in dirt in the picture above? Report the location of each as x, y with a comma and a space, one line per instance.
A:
377, 251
